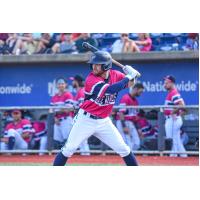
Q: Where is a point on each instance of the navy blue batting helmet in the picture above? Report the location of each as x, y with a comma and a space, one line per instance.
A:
103, 58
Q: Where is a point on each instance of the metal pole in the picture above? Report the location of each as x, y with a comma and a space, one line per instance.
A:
50, 130
161, 131
1, 127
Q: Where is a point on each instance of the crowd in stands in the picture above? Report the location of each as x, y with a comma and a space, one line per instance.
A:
67, 43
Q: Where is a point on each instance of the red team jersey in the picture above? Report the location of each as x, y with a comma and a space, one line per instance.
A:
97, 102
64, 99
173, 98
22, 126
130, 113
39, 130
79, 97
146, 128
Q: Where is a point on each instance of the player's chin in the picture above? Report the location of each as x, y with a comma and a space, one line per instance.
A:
95, 72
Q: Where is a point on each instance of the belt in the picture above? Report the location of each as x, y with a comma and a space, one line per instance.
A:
62, 118
91, 116
170, 116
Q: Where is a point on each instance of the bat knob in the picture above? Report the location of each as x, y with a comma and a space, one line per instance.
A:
85, 45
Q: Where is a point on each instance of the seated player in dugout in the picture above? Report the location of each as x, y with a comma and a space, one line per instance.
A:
146, 131
127, 117
101, 88
18, 133
39, 139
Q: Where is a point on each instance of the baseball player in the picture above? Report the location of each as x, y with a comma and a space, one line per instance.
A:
63, 118
127, 117
78, 85
18, 133
145, 130
101, 88
173, 121
40, 135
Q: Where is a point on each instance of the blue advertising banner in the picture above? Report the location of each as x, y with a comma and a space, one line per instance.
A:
34, 84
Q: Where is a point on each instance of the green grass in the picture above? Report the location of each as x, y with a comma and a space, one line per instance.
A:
48, 164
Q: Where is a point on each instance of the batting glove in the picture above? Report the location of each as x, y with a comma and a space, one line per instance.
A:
131, 73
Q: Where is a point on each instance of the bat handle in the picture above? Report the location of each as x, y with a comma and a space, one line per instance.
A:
117, 63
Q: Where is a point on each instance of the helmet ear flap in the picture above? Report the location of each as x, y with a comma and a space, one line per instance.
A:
106, 67
91, 66
103, 67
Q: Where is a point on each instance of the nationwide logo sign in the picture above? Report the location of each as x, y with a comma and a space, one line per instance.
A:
52, 90
183, 86
17, 89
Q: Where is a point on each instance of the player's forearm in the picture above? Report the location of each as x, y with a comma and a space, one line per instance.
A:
123, 123
25, 38
115, 88
141, 43
4, 139
44, 41
63, 111
180, 111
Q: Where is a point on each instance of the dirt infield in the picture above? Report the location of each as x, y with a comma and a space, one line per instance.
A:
99, 160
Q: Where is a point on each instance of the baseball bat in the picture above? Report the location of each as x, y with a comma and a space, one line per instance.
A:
94, 49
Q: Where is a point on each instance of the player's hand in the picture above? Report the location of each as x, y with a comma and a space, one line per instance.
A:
131, 73
25, 135
174, 116
125, 69
56, 120
129, 70
126, 130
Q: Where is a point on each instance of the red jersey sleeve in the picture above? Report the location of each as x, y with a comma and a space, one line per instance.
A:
69, 99
176, 98
80, 96
52, 102
27, 126
123, 102
119, 75
8, 126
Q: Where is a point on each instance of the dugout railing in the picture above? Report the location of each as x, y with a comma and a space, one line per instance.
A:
190, 124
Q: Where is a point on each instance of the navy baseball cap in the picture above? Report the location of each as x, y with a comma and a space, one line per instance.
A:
171, 78
77, 78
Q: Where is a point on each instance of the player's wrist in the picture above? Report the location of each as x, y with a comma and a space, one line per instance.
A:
123, 123
130, 77
130, 70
